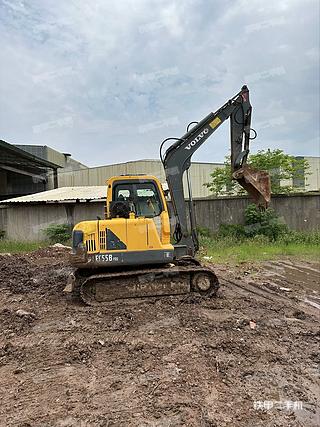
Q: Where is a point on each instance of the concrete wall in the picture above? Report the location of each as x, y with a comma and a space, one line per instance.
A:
3, 219
27, 222
299, 212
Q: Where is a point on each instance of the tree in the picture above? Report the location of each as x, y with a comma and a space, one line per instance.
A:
281, 167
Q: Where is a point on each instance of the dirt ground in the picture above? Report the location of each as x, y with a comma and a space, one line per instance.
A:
249, 357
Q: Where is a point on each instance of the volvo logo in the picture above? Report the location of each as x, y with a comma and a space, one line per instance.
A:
197, 139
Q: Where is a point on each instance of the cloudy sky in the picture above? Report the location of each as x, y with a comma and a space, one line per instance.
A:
108, 80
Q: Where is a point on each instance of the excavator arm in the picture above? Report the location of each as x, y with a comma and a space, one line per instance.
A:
177, 160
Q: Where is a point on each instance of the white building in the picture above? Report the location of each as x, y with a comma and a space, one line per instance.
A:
199, 174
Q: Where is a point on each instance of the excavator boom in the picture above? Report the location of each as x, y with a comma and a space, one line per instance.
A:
177, 160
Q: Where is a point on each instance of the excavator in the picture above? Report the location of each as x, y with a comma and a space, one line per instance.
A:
130, 253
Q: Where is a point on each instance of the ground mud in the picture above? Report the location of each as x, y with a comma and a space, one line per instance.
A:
247, 358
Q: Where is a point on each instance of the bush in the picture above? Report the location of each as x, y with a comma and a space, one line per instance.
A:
231, 230
2, 234
203, 231
308, 238
58, 233
263, 222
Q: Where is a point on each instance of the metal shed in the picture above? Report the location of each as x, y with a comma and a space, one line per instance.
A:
23, 173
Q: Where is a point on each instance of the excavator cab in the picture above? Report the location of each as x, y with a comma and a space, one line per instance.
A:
136, 227
141, 198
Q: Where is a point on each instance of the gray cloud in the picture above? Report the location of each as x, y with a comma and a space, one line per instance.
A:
88, 77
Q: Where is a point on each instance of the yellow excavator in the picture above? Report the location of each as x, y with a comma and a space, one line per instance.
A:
129, 253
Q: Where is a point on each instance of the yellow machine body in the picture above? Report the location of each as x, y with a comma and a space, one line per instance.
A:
139, 236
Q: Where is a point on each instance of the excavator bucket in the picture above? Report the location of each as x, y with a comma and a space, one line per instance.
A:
256, 182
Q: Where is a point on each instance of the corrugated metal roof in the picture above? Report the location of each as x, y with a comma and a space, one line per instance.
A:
63, 194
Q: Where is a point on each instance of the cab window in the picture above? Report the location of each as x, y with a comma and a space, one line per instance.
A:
123, 194
148, 200
143, 198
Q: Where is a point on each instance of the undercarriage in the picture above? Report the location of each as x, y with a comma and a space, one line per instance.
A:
99, 287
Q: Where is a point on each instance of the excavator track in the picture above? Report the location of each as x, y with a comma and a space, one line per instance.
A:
184, 278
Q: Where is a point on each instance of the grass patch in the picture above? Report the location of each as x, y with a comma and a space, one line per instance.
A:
12, 247
233, 250
229, 249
